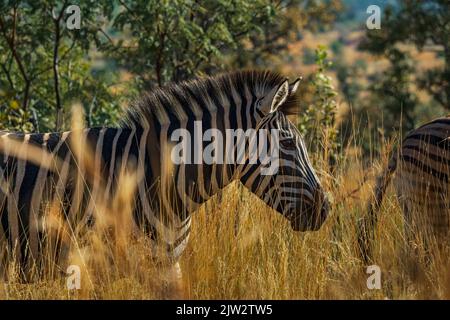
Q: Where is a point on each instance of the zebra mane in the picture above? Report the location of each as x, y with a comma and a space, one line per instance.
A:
205, 87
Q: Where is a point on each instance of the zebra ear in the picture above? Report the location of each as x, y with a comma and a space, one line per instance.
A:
291, 106
280, 96
294, 86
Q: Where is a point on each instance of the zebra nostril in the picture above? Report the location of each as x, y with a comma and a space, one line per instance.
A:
312, 215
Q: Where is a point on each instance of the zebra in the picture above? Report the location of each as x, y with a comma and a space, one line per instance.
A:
420, 170
238, 100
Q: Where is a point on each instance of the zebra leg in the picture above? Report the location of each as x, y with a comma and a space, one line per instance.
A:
3, 255
438, 232
420, 241
3, 244
178, 281
173, 287
410, 250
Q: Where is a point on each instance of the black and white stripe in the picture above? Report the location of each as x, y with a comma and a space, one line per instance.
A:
168, 193
420, 171
422, 178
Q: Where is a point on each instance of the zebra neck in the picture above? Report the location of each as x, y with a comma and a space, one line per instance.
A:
185, 186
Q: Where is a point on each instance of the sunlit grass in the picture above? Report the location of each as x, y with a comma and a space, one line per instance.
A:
241, 249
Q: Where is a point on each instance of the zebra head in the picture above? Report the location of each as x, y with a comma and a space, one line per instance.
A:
294, 190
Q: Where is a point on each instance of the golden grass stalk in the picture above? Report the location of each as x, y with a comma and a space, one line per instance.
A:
261, 259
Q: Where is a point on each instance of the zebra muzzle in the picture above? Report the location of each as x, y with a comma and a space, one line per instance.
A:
311, 217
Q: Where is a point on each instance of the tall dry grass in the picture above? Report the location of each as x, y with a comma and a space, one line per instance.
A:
241, 249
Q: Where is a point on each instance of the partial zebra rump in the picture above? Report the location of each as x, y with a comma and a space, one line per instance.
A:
173, 96
420, 171
422, 180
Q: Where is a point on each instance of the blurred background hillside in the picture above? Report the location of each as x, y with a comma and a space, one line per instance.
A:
385, 81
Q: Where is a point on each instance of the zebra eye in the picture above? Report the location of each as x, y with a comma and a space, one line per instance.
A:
288, 144
259, 103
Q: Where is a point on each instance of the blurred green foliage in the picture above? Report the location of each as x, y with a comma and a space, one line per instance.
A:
125, 47
424, 25
405, 80
164, 41
45, 67
318, 121
33, 41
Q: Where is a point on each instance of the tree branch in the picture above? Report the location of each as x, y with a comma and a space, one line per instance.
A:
8, 75
159, 56
56, 21
17, 58
61, 58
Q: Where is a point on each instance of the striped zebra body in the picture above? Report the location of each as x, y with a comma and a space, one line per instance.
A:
420, 171
167, 192
28, 188
422, 178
